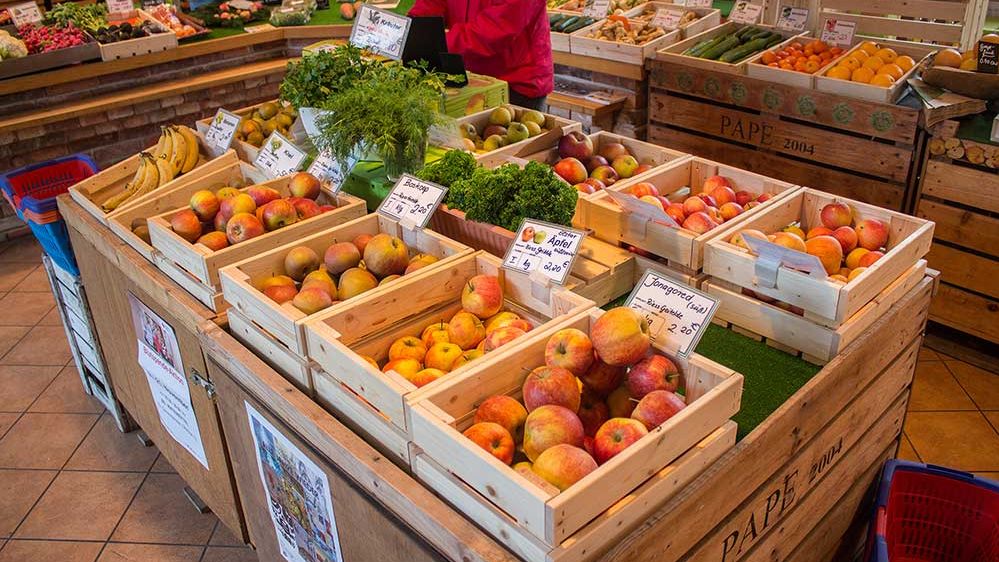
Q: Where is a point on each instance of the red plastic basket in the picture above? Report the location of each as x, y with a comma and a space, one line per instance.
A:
929, 513
34, 188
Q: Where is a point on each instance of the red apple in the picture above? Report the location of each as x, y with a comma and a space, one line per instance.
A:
585, 188
570, 349
305, 185
262, 195
593, 412
548, 426
505, 411
693, 205
605, 174
699, 222
186, 224
482, 295
279, 293
306, 209
655, 372
602, 378
386, 255
340, 257
642, 189
494, 439
730, 210
594, 162
722, 194
676, 212
620, 336
563, 465
575, 145
847, 237
205, 204
241, 203
571, 170
657, 407
616, 435
242, 227
278, 214
835, 215
597, 184
551, 385
743, 197
612, 150
872, 234
214, 241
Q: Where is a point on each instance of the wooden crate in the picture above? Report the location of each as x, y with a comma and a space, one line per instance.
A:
196, 267
755, 68
825, 301
707, 18
851, 147
141, 46
870, 92
796, 334
582, 44
674, 53
560, 41
278, 331
965, 248
683, 248
541, 514
92, 192
232, 171
556, 128
246, 151
337, 340
39, 62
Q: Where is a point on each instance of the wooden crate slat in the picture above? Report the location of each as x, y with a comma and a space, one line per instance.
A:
968, 312
961, 184
921, 31
966, 270
926, 9
958, 226
270, 350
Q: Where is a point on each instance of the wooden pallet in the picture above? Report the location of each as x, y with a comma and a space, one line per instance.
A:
338, 340
278, 331
682, 248
196, 267
543, 517
850, 147
823, 300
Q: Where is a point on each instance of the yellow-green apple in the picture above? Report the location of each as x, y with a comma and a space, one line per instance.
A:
300, 261
493, 438
575, 145
729, 210
828, 250
625, 165
655, 372
738, 239
361, 241
548, 426
593, 412
407, 368
641, 189
602, 378
868, 259
385, 255
205, 204
571, 349
409, 347
226, 193
563, 465
442, 356
605, 174
312, 299
835, 215
619, 403
467, 356
277, 214
620, 336
482, 295
500, 337
872, 234
465, 330
616, 435
426, 376
435, 333
789, 240
500, 319
504, 410
847, 238
551, 385
321, 278
853, 258
611, 150
657, 407
241, 203
186, 224
262, 195
340, 257
419, 262
242, 227
571, 170
355, 281
304, 184
214, 241
281, 293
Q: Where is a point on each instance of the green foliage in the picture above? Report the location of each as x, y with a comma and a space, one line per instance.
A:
453, 166
317, 77
89, 17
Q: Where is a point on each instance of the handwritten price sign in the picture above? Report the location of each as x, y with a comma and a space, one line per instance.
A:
279, 156
677, 314
545, 248
380, 31
412, 200
223, 130
328, 169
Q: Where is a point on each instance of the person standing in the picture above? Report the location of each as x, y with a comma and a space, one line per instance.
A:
508, 39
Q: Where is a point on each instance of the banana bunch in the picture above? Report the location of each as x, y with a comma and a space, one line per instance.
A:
175, 153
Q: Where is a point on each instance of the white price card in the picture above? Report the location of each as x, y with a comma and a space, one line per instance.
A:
641, 208
546, 248
380, 31
329, 170
838, 32
119, 6
222, 131
699, 3
792, 19
771, 256
596, 9
279, 156
412, 200
744, 12
677, 314
25, 13
667, 19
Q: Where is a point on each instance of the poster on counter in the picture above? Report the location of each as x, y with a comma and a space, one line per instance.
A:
298, 495
159, 357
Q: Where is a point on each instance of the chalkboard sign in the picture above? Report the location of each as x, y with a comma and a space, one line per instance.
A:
988, 57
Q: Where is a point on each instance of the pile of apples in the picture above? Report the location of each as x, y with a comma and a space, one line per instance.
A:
229, 216
478, 328
506, 125
312, 283
717, 203
594, 397
845, 247
589, 169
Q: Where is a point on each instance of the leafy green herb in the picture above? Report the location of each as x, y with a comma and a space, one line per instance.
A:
453, 166
317, 77
90, 17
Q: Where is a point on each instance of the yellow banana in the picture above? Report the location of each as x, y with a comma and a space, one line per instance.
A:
116, 200
152, 179
165, 146
164, 170
159, 145
179, 150
191, 156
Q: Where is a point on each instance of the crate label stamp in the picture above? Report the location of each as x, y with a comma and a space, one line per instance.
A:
667, 19
638, 208
838, 32
119, 6
677, 314
412, 201
25, 13
304, 520
770, 257
328, 170
380, 31
596, 9
988, 57
792, 18
160, 359
222, 131
279, 156
744, 12
544, 249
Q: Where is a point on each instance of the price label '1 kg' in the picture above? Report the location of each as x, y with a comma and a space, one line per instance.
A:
545, 248
412, 200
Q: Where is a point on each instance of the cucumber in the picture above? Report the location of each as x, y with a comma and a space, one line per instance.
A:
699, 48
554, 18
777, 39
744, 50
583, 22
745, 30
561, 27
718, 50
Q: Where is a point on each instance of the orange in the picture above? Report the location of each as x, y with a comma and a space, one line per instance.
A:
862, 74
836, 51
883, 80
905, 63
947, 57
869, 47
892, 70
860, 55
970, 64
887, 55
850, 63
969, 54
990, 38
840, 72
874, 63
811, 67
819, 46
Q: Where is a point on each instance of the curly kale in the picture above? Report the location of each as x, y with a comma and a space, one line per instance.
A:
490, 191
541, 196
453, 166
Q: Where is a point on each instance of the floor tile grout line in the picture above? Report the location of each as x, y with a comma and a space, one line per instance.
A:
210, 537
127, 507
150, 543
959, 383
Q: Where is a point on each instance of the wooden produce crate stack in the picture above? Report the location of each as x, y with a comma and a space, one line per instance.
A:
277, 332
377, 403
816, 317
958, 191
555, 127
537, 521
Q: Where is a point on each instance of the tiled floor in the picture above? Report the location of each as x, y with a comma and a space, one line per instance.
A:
75, 489
72, 487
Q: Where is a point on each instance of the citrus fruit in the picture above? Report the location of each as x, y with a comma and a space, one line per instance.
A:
892, 70
970, 53
970, 64
851, 63
887, 55
883, 80
947, 57
990, 38
869, 47
905, 63
874, 63
863, 75
840, 72
860, 55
